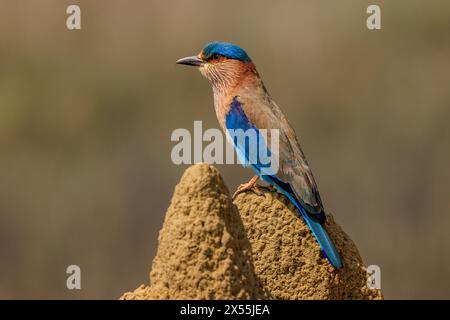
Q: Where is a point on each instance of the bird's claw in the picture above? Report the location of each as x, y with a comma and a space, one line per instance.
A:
251, 185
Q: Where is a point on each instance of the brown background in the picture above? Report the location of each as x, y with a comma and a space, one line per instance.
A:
86, 118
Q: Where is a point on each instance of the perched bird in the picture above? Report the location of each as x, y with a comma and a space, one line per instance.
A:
241, 101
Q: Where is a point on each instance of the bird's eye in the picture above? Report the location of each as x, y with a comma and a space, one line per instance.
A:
215, 56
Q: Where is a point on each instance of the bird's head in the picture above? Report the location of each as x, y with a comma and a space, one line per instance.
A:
223, 64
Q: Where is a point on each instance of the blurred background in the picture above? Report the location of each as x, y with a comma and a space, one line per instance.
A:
86, 118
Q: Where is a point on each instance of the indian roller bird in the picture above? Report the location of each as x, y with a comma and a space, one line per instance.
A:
241, 101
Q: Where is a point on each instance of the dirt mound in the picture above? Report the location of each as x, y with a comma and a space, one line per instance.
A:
256, 248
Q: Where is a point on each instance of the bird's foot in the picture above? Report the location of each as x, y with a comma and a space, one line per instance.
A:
251, 185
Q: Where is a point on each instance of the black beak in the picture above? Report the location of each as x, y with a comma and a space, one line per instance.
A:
191, 61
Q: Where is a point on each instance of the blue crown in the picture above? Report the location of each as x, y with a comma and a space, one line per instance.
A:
228, 50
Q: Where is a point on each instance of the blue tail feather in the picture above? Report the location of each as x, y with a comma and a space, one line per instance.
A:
323, 239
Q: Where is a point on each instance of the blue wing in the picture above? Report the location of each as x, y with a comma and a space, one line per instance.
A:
249, 155
248, 141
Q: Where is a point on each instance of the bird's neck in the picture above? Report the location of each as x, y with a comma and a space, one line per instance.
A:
228, 75
248, 84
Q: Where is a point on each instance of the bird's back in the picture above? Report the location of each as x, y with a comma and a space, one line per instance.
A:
264, 113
